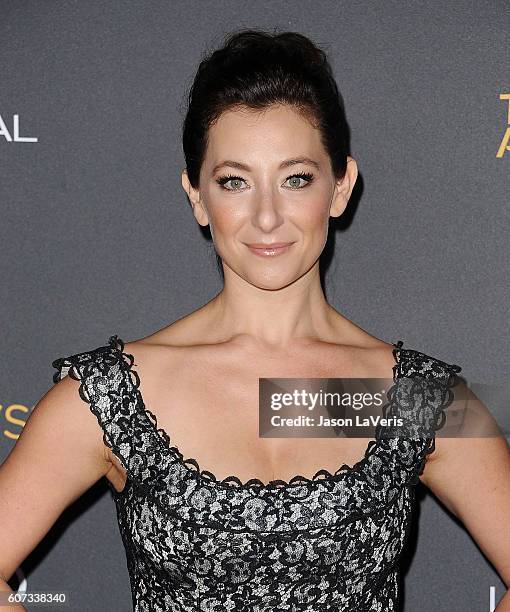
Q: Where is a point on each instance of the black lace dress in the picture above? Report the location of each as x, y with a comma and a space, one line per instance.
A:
198, 543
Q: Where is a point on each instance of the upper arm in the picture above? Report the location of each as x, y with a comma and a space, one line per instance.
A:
59, 454
471, 476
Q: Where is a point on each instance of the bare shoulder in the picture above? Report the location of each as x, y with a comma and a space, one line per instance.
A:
174, 339
57, 457
61, 412
378, 357
161, 349
470, 475
469, 428
166, 354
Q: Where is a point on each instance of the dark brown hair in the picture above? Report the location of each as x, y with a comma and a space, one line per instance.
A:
256, 69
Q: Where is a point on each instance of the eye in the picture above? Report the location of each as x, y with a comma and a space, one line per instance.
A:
307, 176
223, 180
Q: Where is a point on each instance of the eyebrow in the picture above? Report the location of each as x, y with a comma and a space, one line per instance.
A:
285, 164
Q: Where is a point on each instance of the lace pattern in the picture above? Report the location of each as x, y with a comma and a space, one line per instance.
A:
197, 542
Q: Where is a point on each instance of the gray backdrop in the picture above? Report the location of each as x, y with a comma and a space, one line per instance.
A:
97, 236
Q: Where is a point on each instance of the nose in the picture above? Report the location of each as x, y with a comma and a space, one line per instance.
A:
267, 215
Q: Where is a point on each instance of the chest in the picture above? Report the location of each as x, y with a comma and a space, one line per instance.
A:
220, 414
207, 401
212, 415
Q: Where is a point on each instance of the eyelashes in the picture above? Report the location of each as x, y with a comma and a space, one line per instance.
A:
223, 180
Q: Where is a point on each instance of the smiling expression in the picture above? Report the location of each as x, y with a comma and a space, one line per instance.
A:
267, 191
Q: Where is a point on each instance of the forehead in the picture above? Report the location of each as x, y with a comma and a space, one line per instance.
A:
273, 133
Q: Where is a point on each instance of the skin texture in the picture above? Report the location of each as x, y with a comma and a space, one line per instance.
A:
199, 375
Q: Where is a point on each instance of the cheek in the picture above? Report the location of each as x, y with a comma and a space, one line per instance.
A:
225, 220
224, 223
313, 216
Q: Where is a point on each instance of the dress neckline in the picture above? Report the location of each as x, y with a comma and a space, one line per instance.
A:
191, 465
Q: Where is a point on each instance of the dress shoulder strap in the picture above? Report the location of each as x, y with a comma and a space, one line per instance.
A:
106, 385
424, 389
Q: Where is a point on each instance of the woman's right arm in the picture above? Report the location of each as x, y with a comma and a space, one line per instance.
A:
58, 456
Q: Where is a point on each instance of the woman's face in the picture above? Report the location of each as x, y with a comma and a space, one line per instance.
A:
266, 178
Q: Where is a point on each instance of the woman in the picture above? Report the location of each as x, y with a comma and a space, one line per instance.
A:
212, 516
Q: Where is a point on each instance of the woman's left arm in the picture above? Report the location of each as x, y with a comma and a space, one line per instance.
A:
471, 476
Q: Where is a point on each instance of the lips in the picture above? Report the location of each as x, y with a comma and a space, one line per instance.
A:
269, 249
269, 245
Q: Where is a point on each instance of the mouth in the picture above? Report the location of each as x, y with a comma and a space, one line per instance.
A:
269, 250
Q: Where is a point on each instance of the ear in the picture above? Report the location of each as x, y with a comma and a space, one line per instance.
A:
193, 194
343, 188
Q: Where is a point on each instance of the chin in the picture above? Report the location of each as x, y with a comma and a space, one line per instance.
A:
270, 283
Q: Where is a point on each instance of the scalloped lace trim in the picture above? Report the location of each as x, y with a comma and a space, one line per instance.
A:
453, 380
191, 464
67, 366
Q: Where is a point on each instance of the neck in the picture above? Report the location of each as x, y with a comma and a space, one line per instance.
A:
274, 319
